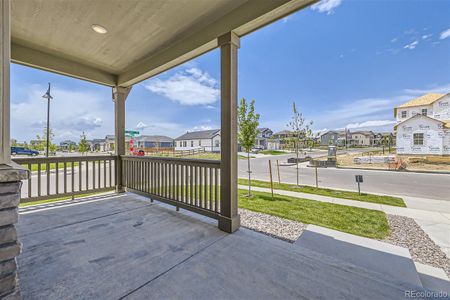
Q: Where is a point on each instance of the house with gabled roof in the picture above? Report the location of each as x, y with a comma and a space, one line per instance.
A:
423, 125
208, 140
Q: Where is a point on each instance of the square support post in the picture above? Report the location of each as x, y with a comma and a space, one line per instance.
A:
119, 95
5, 56
229, 220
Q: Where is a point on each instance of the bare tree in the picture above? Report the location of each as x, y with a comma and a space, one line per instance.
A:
300, 132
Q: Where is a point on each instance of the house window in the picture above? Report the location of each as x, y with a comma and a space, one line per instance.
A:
184, 143
192, 143
199, 142
424, 111
404, 114
418, 138
217, 143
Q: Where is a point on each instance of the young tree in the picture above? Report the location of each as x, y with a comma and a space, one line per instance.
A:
300, 132
83, 145
248, 122
42, 143
71, 147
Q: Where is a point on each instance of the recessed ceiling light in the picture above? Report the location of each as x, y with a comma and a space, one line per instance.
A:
99, 29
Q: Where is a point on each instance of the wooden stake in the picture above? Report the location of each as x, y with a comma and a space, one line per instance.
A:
278, 169
317, 178
271, 181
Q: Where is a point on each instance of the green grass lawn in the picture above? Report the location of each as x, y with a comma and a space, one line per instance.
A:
272, 152
354, 220
388, 200
34, 167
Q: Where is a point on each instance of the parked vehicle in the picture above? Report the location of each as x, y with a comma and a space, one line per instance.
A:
23, 151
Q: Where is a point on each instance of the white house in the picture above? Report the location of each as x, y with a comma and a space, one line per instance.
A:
209, 140
423, 125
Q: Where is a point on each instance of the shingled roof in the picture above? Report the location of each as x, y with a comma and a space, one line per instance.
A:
197, 135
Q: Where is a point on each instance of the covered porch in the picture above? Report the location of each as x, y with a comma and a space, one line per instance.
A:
125, 247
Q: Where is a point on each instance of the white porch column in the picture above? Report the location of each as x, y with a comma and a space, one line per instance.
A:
5, 55
229, 219
120, 94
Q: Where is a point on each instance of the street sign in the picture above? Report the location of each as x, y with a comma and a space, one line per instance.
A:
131, 133
359, 179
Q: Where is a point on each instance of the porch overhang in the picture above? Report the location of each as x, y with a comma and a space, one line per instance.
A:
144, 38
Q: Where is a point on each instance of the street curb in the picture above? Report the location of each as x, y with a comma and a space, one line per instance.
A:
397, 171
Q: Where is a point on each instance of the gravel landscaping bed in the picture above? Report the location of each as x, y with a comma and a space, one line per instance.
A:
274, 226
405, 232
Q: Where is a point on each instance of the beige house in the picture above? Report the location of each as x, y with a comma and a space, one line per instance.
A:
362, 138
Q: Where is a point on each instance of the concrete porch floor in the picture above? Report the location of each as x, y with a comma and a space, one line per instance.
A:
124, 247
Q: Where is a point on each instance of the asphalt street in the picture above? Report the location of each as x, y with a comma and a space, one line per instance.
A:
422, 185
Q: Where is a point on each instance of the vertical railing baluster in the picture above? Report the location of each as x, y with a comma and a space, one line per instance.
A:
93, 175
182, 184
211, 186
29, 182
79, 176
216, 185
200, 188
65, 177
99, 174
205, 192
47, 165
110, 172
87, 175
104, 173
195, 186
191, 185
73, 177
39, 179
57, 177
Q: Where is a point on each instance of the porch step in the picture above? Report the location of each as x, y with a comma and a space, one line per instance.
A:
382, 258
433, 278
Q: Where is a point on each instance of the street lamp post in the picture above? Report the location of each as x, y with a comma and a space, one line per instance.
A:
48, 97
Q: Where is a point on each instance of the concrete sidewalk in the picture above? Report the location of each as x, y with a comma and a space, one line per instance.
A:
435, 224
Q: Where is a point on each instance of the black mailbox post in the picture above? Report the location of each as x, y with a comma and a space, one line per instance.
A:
359, 179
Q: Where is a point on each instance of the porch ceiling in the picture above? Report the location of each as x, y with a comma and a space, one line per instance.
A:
144, 37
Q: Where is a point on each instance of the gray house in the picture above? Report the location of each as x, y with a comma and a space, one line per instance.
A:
153, 141
337, 138
209, 140
65, 145
264, 134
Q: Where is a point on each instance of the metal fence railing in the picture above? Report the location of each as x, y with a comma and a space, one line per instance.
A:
58, 177
192, 184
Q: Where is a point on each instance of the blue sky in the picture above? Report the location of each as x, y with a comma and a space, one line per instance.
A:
345, 63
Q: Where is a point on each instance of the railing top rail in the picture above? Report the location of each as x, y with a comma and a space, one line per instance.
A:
176, 160
54, 159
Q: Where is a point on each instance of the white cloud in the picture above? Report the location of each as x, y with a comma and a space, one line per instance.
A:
426, 36
286, 19
189, 87
71, 113
445, 34
376, 113
412, 45
326, 6
394, 40
370, 123
141, 125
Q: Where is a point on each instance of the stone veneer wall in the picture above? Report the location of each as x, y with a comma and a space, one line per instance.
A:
10, 184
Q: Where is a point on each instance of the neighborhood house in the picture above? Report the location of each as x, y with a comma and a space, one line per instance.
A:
423, 126
208, 140
264, 134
